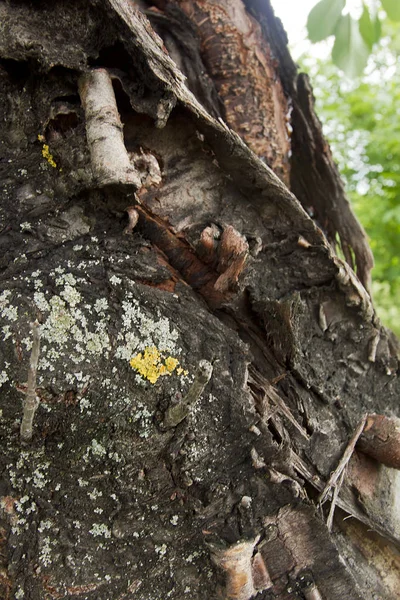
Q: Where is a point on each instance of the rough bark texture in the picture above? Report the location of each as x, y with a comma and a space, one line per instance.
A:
178, 254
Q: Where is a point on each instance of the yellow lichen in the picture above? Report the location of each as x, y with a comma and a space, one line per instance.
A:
171, 363
150, 364
46, 152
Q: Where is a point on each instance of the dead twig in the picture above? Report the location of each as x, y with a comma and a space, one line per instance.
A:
337, 488
274, 397
335, 475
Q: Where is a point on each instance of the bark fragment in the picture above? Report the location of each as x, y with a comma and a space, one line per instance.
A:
236, 561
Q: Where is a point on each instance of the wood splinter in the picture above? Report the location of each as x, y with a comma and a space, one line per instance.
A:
335, 475
378, 437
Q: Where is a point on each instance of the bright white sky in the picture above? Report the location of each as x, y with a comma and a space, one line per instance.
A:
293, 14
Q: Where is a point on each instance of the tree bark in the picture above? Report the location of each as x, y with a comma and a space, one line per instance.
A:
206, 360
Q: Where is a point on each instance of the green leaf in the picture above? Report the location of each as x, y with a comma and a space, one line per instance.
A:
323, 18
369, 29
392, 8
350, 52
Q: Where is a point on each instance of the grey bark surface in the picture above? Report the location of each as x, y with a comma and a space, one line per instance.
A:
144, 478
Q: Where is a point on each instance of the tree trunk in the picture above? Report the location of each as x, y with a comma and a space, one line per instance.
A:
185, 358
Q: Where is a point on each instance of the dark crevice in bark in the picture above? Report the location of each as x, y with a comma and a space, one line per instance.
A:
181, 40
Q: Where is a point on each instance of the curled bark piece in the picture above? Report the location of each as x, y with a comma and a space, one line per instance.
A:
329, 203
233, 251
381, 440
243, 69
133, 216
207, 244
236, 561
110, 160
31, 400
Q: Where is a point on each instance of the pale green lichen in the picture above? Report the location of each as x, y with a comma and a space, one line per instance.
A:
38, 476
7, 311
3, 377
73, 327
25, 226
97, 449
94, 494
45, 551
161, 550
100, 529
43, 525
71, 295
144, 418
139, 330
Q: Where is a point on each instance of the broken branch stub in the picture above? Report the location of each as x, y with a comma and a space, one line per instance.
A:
381, 440
31, 400
104, 131
175, 414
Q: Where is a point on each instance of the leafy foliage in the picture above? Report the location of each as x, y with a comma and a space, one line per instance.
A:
323, 19
362, 122
350, 52
354, 39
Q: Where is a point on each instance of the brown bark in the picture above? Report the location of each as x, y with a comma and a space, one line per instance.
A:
144, 478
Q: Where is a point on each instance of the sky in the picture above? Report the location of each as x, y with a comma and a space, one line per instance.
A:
293, 14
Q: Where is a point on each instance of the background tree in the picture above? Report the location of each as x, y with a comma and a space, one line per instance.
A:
361, 121
354, 39
193, 358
